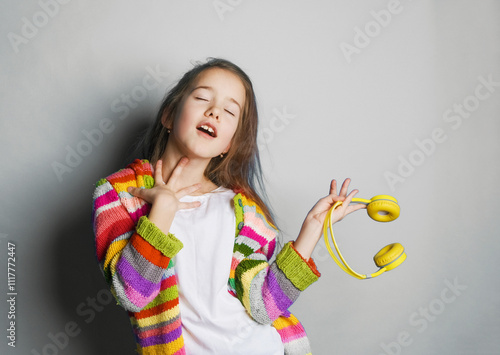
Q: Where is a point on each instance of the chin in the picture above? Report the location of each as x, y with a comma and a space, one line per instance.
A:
202, 155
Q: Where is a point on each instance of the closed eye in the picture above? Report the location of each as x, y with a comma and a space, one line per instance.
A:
232, 114
201, 98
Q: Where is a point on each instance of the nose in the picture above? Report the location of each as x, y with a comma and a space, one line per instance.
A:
213, 112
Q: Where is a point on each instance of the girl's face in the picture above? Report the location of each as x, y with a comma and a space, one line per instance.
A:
209, 114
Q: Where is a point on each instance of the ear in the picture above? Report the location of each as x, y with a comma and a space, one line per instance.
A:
166, 121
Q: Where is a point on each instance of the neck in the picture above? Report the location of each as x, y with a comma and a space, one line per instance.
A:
192, 173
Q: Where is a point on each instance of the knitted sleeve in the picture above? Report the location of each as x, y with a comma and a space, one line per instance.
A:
266, 288
132, 252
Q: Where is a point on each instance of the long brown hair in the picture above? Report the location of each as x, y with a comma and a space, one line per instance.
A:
240, 168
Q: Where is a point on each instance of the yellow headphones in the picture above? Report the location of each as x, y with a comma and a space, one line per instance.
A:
381, 208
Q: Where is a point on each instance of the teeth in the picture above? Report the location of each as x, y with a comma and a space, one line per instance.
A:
207, 128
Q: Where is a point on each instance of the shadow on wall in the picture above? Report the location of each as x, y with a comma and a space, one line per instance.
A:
96, 324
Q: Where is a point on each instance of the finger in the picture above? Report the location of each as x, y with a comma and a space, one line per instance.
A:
351, 196
177, 171
145, 194
134, 191
187, 205
355, 207
159, 173
345, 186
346, 207
333, 187
187, 190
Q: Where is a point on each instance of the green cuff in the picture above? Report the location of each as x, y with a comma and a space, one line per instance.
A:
295, 268
169, 245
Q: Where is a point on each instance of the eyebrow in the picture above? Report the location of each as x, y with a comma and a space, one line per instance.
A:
211, 89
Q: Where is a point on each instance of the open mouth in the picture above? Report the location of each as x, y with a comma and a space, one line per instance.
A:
207, 129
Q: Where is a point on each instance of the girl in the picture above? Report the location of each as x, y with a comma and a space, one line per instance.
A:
186, 244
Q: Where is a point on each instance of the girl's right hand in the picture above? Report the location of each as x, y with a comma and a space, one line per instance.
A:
164, 196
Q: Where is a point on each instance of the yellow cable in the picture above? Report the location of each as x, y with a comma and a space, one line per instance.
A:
329, 225
327, 243
380, 203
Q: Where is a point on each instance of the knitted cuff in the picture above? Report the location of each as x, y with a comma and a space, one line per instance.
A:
169, 245
300, 272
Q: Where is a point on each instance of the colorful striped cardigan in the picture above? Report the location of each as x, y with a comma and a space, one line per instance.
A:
136, 259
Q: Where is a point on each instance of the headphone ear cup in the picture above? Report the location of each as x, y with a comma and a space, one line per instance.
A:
390, 256
383, 210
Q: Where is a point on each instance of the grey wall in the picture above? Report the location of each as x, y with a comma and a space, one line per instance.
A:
397, 103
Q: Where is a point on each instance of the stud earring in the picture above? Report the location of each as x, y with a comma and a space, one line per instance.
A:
221, 155
168, 130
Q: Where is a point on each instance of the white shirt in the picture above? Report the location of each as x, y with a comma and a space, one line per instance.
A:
214, 321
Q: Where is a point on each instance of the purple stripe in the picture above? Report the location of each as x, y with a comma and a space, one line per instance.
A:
286, 313
133, 278
162, 338
280, 297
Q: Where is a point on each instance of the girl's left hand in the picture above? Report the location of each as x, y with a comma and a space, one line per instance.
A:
312, 227
321, 208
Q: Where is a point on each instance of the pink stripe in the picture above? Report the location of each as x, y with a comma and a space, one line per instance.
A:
135, 297
292, 332
271, 308
132, 276
279, 294
109, 197
270, 249
234, 263
144, 210
107, 227
252, 219
110, 218
168, 282
132, 203
162, 330
248, 232
162, 338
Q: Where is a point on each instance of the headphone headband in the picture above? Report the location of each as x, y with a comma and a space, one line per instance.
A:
381, 208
